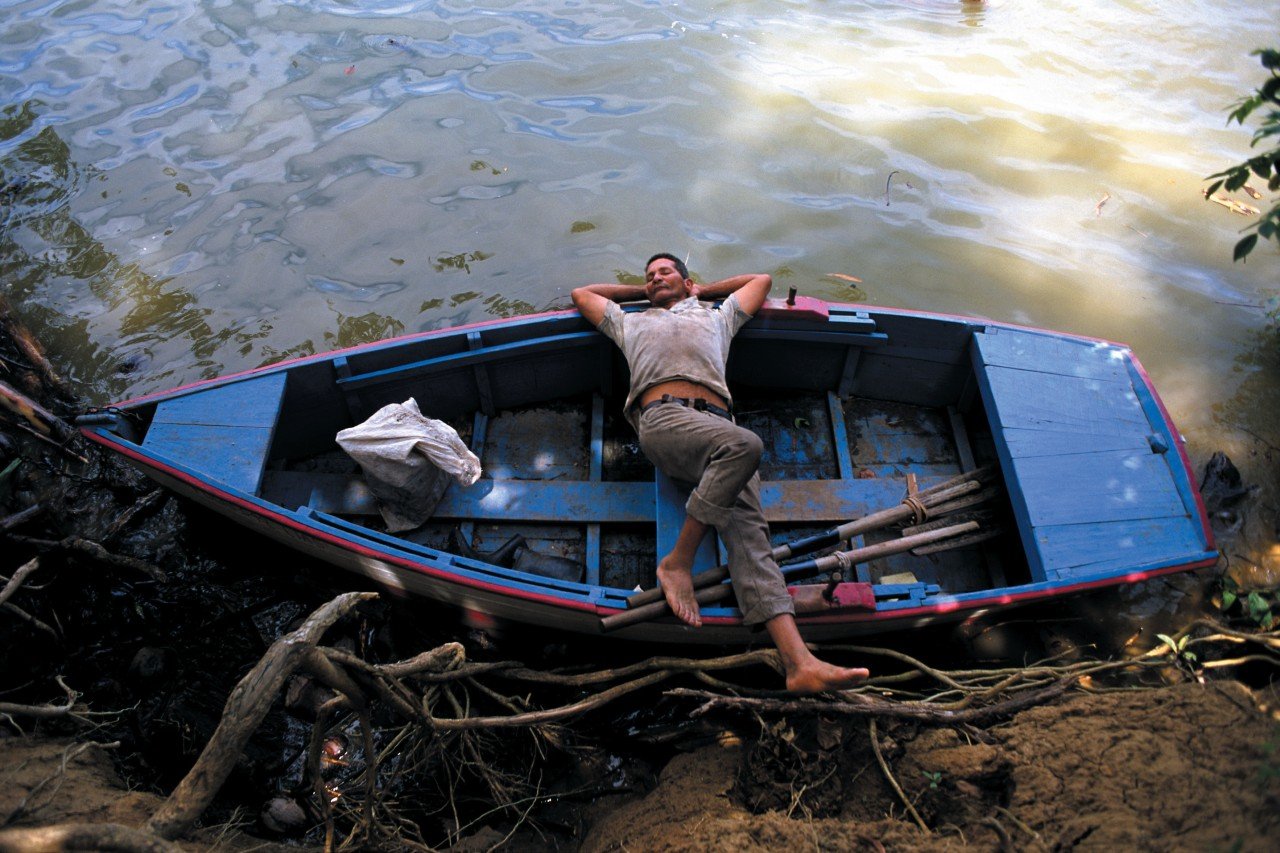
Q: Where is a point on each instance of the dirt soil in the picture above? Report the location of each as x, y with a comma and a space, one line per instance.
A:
1192, 767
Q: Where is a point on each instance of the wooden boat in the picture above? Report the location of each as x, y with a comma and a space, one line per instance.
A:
856, 405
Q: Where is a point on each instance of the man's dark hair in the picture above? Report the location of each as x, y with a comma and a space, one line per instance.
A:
675, 262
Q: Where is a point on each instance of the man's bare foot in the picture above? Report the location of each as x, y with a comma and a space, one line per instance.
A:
677, 586
818, 677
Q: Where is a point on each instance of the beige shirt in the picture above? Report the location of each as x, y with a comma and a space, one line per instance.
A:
688, 341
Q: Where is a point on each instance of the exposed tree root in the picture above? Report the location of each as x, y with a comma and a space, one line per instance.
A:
454, 724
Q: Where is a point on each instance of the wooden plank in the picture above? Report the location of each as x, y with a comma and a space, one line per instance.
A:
798, 501
250, 402
1028, 399
454, 361
223, 433
548, 500
813, 501
1050, 442
755, 333
1076, 551
341, 370
840, 436
596, 470
1046, 353
964, 450
483, 390
1097, 487
479, 436
669, 501
231, 455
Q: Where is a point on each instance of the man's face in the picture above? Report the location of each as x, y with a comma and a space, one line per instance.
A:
664, 285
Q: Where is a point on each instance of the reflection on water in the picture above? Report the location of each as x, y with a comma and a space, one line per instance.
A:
199, 188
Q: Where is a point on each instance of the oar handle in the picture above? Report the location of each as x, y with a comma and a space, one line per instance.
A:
712, 594
654, 609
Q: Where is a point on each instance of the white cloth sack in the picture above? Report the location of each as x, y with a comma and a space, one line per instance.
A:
407, 460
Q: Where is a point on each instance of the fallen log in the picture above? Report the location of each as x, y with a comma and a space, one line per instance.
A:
247, 705
32, 352
40, 419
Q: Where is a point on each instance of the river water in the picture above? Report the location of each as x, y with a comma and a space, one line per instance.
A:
196, 188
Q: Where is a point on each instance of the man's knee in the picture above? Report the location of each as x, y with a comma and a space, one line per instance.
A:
746, 446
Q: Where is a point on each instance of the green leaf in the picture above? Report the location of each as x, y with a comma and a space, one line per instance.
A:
801, 423
1228, 598
1244, 247
1213, 188
1238, 179
1269, 58
1258, 607
1168, 641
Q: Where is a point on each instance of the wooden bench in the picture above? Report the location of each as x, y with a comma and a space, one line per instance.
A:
223, 434
1086, 460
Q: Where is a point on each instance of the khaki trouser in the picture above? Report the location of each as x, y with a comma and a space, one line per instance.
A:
718, 460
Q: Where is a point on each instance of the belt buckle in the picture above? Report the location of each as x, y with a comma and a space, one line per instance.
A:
699, 404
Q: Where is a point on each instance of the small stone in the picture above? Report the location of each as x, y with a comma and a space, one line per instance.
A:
284, 815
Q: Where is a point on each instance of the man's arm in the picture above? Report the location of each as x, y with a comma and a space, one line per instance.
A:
591, 299
751, 288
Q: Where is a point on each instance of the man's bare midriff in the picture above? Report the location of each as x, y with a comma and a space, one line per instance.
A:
682, 388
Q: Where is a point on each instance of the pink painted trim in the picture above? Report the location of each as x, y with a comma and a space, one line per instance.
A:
347, 545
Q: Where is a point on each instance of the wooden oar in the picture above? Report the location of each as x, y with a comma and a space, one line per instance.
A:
840, 560
932, 499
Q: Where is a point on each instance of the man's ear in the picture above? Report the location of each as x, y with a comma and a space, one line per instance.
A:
690, 288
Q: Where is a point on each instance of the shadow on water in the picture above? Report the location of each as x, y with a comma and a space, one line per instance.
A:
65, 279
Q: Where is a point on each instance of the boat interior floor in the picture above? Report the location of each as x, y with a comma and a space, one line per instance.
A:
571, 481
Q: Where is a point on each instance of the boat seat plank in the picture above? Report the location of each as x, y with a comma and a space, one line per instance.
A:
1078, 551
1023, 349
1096, 487
785, 501
1025, 443
223, 433
670, 499
1033, 399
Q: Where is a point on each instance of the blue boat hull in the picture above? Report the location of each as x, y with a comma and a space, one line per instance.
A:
854, 403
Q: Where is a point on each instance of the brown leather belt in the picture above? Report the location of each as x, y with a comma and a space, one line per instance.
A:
697, 403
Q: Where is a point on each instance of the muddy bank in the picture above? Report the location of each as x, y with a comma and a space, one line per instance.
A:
1187, 767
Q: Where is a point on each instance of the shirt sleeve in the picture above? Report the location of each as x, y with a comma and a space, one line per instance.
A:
732, 315
612, 323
